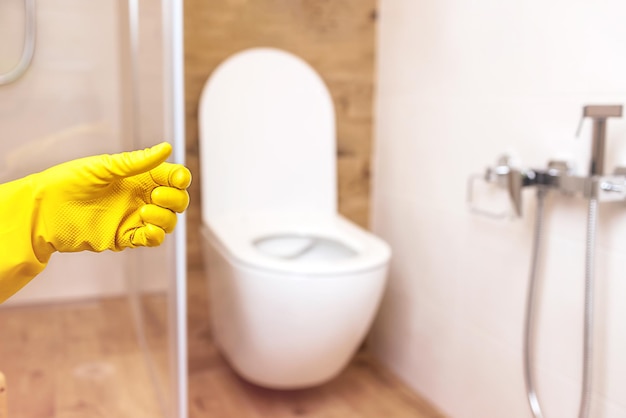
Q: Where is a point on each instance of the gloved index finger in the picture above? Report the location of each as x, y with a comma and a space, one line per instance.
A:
171, 175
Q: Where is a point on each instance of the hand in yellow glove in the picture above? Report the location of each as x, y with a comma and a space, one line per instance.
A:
96, 203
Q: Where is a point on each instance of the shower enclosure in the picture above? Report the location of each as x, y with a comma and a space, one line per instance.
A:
94, 334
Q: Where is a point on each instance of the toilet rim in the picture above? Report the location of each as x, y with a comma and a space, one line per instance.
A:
237, 236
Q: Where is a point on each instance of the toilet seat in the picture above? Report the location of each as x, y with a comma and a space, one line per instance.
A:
239, 236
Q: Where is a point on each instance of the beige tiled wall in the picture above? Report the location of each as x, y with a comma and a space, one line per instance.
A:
76, 100
66, 106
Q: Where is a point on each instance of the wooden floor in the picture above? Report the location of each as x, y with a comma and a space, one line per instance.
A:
361, 391
74, 361
83, 361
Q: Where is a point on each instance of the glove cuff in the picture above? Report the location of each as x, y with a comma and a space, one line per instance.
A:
24, 252
40, 239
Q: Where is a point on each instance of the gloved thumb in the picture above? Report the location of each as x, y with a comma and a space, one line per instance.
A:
127, 164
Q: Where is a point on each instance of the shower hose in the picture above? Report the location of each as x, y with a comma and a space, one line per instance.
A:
588, 314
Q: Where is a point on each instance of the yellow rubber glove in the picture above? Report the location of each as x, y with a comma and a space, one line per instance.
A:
104, 202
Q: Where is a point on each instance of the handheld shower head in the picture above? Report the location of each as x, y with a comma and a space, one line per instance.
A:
599, 114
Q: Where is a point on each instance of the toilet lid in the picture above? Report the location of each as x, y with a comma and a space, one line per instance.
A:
299, 243
267, 136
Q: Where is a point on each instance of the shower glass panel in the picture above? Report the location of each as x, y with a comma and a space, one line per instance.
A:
95, 334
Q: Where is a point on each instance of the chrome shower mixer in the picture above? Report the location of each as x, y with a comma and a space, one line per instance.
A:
559, 176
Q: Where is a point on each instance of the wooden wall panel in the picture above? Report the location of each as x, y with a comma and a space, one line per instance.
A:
336, 37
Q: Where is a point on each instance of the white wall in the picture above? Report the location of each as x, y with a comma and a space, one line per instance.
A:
459, 83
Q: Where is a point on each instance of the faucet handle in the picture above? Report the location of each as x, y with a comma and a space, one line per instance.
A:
504, 175
515, 182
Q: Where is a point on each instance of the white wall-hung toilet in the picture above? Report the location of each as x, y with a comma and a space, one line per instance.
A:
293, 286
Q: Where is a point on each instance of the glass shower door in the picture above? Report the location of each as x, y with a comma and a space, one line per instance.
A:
95, 334
154, 78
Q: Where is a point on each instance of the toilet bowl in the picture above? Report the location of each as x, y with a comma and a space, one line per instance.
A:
293, 286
